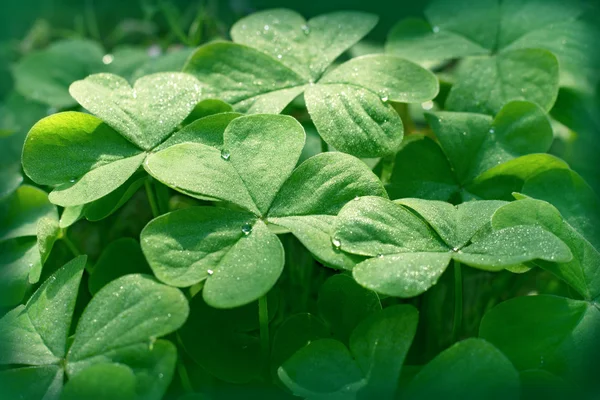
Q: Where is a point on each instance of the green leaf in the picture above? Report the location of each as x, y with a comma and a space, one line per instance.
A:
243, 77
31, 383
107, 205
20, 213
36, 334
390, 77
434, 178
354, 119
172, 61
401, 275
206, 108
546, 332
479, 155
582, 271
223, 341
101, 381
99, 159
307, 48
469, 369
19, 259
414, 39
121, 257
235, 253
127, 311
45, 75
293, 334
207, 130
344, 304
252, 165
572, 196
145, 114
484, 84
380, 344
323, 367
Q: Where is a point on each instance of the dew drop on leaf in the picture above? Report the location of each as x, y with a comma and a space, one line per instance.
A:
428, 105
107, 59
337, 243
379, 255
266, 27
356, 198
492, 131
305, 29
225, 155
210, 271
246, 228
72, 180
436, 29
384, 98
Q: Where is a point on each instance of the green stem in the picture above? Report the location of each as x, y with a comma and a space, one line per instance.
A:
70, 244
387, 168
458, 300
151, 198
324, 146
186, 384
263, 318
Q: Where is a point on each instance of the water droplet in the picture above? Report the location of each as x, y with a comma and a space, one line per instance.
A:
108, 59
428, 105
210, 271
279, 56
379, 255
161, 375
464, 133
337, 243
169, 315
455, 249
305, 29
492, 131
30, 265
266, 27
134, 94
436, 29
225, 155
356, 198
542, 360
154, 50
246, 228
73, 180
384, 98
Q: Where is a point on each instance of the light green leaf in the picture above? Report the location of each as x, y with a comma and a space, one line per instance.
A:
401, 275
95, 160
380, 344
390, 77
208, 130
127, 311
343, 304
31, 383
19, 259
36, 334
45, 75
471, 369
354, 120
484, 84
582, 271
107, 205
206, 108
513, 246
101, 381
172, 61
145, 114
236, 73
372, 226
305, 47
226, 248
546, 332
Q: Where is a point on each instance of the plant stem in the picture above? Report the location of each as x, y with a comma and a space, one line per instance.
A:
324, 146
263, 318
387, 168
151, 198
70, 244
458, 301
184, 378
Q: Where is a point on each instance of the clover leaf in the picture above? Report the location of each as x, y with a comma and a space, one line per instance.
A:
119, 327
477, 156
326, 368
410, 252
45, 75
511, 49
99, 155
472, 368
277, 55
251, 166
28, 229
546, 332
